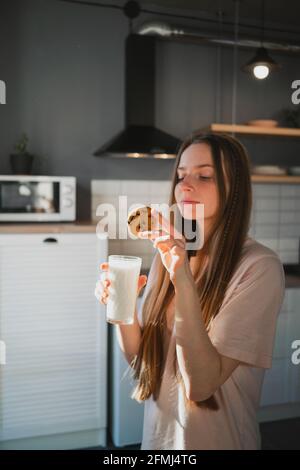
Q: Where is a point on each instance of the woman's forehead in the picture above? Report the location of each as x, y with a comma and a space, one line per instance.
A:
196, 154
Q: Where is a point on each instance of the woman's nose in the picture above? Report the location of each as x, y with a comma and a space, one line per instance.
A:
185, 183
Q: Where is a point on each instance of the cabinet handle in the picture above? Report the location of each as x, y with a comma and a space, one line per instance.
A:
50, 240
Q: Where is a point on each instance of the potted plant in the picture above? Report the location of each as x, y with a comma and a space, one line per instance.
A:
290, 118
21, 161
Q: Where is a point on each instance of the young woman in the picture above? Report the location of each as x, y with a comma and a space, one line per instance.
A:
204, 336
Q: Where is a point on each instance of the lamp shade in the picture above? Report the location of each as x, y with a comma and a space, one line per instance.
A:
263, 61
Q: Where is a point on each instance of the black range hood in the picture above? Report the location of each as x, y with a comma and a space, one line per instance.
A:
140, 138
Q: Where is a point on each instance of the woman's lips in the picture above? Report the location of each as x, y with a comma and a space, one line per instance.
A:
189, 202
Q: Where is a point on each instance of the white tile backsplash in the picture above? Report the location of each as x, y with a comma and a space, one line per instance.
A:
289, 204
287, 217
266, 190
138, 192
135, 188
289, 190
109, 187
289, 230
267, 204
275, 219
266, 231
288, 257
160, 188
266, 217
289, 244
277, 210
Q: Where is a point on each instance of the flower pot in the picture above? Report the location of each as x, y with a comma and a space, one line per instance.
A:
21, 163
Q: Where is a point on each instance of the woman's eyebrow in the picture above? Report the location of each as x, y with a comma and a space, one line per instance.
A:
196, 166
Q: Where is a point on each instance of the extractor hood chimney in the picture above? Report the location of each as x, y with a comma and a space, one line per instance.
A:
140, 138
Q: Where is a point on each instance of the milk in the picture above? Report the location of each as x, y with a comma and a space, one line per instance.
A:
124, 273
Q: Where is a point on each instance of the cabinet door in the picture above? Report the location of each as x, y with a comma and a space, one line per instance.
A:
282, 381
294, 334
276, 384
54, 380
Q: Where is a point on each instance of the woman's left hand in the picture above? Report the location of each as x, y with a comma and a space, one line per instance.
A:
170, 244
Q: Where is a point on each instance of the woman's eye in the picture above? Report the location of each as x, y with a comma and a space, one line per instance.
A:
198, 176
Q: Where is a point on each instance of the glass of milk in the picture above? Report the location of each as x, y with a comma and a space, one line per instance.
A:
123, 272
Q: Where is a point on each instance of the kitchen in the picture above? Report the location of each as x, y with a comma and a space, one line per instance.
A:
75, 77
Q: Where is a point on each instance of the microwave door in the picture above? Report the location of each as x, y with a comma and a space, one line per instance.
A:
29, 197
46, 197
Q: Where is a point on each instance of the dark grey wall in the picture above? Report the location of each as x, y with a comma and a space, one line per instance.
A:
64, 69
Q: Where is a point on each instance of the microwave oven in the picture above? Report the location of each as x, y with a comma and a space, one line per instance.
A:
33, 198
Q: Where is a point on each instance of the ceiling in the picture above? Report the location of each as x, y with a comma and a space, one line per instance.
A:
281, 16
279, 12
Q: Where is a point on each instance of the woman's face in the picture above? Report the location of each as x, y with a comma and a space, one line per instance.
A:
197, 183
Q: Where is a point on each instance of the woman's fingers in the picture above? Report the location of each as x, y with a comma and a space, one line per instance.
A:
104, 279
104, 266
103, 300
167, 244
98, 292
152, 234
164, 243
142, 281
102, 286
160, 235
100, 289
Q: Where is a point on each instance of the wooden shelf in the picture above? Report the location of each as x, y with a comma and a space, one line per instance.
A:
275, 179
255, 130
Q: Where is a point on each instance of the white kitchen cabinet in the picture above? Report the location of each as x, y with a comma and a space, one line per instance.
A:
53, 385
281, 388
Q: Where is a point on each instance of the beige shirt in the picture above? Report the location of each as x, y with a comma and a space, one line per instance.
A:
244, 329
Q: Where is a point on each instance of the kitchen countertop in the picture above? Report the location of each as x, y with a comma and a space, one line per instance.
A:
292, 281
292, 276
55, 227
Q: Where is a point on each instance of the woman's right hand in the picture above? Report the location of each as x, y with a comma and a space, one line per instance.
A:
102, 286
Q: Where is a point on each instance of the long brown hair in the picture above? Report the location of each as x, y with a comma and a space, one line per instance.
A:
221, 252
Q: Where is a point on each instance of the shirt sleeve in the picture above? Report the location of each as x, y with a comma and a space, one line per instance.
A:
245, 327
